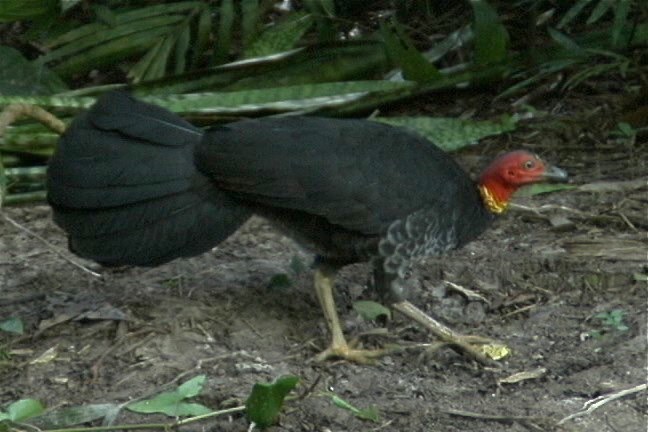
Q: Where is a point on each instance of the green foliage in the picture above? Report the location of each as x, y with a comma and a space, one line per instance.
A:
370, 413
402, 52
491, 38
370, 310
172, 403
18, 76
266, 399
13, 324
22, 410
16, 10
613, 320
452, 134
162, 32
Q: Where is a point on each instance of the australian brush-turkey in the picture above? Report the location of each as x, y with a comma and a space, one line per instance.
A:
134, 184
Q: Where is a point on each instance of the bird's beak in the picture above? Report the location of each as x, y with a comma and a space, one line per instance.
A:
555, 174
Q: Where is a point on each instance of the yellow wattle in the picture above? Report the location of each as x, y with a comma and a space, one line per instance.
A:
492, 203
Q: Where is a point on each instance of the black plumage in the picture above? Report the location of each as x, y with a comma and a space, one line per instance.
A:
134, 184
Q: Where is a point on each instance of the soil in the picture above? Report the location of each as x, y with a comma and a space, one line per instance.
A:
549, 272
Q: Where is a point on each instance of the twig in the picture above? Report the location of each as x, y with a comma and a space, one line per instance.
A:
594, 404
50, 246
13, 112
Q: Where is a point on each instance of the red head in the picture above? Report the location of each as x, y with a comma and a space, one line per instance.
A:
509, 172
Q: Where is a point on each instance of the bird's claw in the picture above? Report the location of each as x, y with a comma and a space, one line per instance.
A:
481, 349
349, 353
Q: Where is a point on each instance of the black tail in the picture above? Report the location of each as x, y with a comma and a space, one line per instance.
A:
124, 186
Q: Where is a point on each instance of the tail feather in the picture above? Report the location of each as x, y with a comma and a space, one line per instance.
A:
123, 185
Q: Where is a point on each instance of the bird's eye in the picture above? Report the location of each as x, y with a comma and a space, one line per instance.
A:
529, 164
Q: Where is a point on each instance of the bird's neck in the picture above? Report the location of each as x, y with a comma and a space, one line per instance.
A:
495, 195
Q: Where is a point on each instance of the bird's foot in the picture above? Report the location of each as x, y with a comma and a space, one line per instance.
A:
348, 352
481, 349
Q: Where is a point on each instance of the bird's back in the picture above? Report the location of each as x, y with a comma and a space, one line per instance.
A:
349, 177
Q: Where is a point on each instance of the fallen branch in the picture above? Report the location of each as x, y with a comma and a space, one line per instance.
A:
592, 405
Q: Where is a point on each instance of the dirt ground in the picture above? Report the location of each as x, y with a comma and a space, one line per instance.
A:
549, 272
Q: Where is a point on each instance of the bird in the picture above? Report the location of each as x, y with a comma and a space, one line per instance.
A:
132, 183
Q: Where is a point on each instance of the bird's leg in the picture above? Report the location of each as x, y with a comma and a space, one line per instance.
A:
339, 348
466, 344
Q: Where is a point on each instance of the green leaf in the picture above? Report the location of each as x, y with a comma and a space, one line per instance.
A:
265, 401
565, 41
370, 310
601, 8
289, 98
193, 387
13, 324
572, 13
66, 417
168, 403
491, 38
24, 409
620, 22
18, 10
203, 32
281, 36
19, 76
171, 402
250, 14
225, 27
370, 413
181, 50
402, 52
452, 134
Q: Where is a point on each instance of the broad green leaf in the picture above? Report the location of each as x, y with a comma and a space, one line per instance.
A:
193, 387
491, 38
172, 403
24, 409
161, 403
290, 98
452, 134
14, 324
402, 52
18, 10
370, 310
370, 413
265, 401
281, 36
66, 417
19, 76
